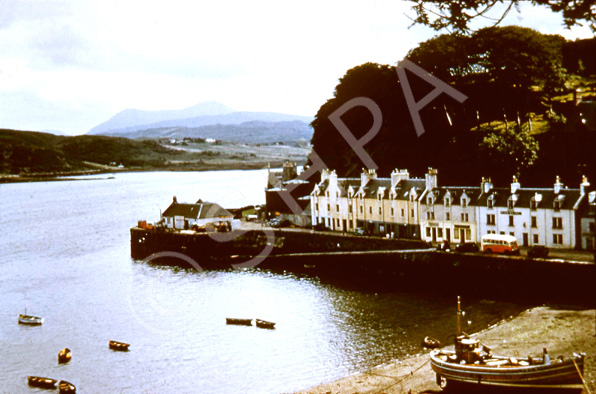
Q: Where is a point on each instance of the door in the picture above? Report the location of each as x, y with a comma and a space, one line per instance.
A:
448, 234
434, 232
526, 239
462, 235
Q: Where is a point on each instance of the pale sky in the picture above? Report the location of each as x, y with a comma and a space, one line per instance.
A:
70, 65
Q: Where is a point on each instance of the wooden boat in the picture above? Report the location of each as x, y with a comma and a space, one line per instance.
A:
30, 320
431, 343
241, 322
65, 387
44, 383
64, 356
473, 365
119, 346
265, 324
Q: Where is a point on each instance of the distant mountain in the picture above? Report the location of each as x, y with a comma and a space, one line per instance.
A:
253, 132
129, 118
216, 121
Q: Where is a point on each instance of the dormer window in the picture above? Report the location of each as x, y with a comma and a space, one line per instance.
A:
533, 204
464, 202
558, 203
490, 202
429, 200
448, 201
511, 202
327, 194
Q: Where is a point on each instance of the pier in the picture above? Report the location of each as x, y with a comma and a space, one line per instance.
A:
378, 263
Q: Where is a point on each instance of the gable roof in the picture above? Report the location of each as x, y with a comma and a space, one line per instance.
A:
200, 210
523, 197
455, 192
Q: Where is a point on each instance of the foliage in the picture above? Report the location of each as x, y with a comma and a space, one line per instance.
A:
457, 15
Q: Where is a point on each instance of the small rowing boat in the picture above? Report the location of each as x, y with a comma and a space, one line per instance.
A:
265, 324
241, 322
64, 356
65, 387
44, 383
119, 346
431, 343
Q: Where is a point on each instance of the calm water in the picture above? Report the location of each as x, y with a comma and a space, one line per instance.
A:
65, 255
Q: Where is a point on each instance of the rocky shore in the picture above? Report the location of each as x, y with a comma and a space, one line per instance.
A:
562, 330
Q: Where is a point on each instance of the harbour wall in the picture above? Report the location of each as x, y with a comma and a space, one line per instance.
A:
376, 264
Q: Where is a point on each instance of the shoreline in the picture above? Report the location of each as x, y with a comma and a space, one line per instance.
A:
561, 329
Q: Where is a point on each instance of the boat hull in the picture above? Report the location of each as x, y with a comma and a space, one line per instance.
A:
30, 320
44, 383
265, 324
119, 346
241, 322
65, 387
556, 375
64, 356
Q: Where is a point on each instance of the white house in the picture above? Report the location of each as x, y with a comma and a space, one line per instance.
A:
184, 216
535, 216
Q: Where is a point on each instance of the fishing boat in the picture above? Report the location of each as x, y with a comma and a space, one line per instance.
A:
265, 324
64, 356
30, 320
65, 387
472, 364
119, 346
44, 383
241, 322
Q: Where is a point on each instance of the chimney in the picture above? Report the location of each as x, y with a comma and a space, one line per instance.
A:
324, 174
399, 175
431, 179
367, 175
558, 185
333, 178
583, 187
515, 185
175, 200
288, 171
485, 185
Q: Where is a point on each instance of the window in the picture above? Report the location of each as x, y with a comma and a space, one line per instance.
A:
328, 208
591, 226
403, 213
428, 231
336, 194
512, 233
536, 239
430, 215
558, 239
464, 202
468, 234
412, 212
370, 210
316, 206
511, 220
491, 202
380, 210
440, 232
490, 219
510, 203
534, 222
491, 232
336, 207
361, 209
464, 217
338, 223
502, 232
448, 202
533, 204
557, 205
447, 216
350, 208
392, 211
558, 223
429, 201
327, 194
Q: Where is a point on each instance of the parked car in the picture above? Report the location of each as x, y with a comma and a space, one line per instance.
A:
275, 222
320, 227
444, 246
467, 247
359, 231
538, 251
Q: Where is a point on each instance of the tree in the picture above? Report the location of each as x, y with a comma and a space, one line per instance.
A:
507, 152
456, 16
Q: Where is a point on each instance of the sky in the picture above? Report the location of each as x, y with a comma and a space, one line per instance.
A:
69, 65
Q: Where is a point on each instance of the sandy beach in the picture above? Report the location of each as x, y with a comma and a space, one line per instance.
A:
562, 330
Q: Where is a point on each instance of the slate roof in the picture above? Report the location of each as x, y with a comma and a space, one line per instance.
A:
455, 192
545, 198
371, 189
203, 210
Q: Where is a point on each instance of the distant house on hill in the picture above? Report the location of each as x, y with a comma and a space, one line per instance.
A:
184, 216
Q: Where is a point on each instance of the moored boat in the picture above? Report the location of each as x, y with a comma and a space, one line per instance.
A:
64, 356
472, 364
30, 320
119, 346
431, 343
44, 383
265, 324
65, 387
242, 322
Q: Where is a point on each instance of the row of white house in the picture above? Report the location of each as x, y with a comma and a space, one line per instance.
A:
405, 207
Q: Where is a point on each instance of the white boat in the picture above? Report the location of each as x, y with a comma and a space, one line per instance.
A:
30, 320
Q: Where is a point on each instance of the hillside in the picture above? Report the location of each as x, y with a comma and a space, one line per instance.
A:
27, 153
254, 132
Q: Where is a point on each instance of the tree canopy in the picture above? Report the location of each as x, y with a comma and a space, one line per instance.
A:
456, 16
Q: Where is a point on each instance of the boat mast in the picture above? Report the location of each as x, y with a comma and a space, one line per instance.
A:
458, 316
